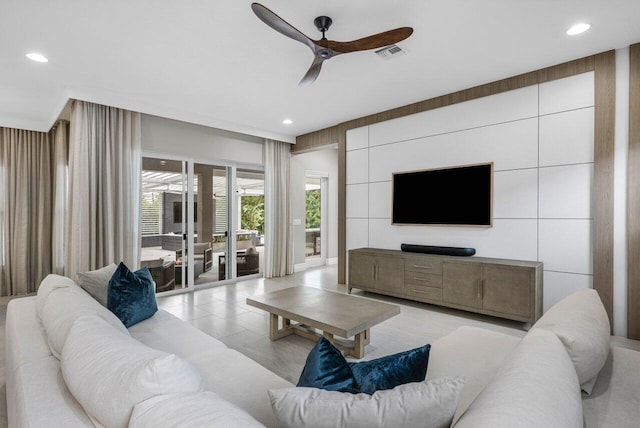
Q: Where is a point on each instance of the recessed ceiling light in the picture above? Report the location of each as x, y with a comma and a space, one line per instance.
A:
578, 29
34, 56
287, 121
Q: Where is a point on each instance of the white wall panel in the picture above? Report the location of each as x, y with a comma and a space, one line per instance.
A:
567, 94
497, 241
566, 191
358, 138
380, 199
567, 137
358, 200
566, 245
357, 233
505, 107
510, 145
357, 166
558, 285
541, 141
515, 193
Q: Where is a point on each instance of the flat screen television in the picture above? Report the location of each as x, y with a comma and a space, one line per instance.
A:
177, 212
456, 196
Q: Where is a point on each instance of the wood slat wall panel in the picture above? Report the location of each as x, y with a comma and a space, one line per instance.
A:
604, 66
633, 197
604, 133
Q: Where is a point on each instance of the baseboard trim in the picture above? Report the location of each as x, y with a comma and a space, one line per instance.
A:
299, 267
332, 261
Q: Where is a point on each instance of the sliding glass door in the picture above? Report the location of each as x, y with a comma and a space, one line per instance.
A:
163, 221
211, 235
188, 229
250, 235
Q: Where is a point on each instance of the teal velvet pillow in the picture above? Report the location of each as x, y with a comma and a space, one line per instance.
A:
392, 370
131, 295
327, 369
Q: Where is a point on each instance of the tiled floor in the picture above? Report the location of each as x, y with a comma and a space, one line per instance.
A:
222, 313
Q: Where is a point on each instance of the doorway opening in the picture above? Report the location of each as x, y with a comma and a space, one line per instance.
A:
315, 218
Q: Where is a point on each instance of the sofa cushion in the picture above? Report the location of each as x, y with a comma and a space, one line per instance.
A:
392, 370
48, 284
132, 295
614, 401
109, 372
166, 332
475, 353
62, 308
582, 325
536, 387
197, 409
96, 282
428, 404
327, 369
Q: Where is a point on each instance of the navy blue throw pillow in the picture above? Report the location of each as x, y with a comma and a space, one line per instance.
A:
327, 369
131, 296
392, 370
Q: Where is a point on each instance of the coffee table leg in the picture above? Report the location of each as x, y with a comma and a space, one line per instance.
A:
359, 343
275, 332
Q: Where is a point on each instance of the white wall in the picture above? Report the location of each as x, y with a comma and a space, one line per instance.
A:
167, 136
325, 160
540, 139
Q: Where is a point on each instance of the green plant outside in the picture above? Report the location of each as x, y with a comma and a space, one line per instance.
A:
252, 213
312, 209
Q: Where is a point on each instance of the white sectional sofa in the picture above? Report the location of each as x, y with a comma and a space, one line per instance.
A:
37, 393
535, 381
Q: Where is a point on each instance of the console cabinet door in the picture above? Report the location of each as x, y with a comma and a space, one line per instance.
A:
507, 290
461, 284
361, 270
376, 273
389, 274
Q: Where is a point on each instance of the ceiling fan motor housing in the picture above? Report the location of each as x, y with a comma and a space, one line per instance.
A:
323, 23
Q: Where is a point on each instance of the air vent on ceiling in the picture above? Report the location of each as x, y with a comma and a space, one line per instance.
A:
390, 51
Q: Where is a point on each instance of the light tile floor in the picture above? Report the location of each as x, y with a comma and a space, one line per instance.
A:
222, 312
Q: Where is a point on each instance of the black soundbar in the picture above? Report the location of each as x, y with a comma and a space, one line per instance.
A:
434, 249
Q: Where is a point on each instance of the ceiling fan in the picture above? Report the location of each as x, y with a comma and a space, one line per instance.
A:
324, 49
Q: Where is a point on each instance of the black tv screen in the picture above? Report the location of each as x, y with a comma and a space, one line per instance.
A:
459, 196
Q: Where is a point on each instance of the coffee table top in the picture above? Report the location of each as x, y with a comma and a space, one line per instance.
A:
340, 314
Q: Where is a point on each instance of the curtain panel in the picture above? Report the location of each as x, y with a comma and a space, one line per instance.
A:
278, 229
30, 247
104, 188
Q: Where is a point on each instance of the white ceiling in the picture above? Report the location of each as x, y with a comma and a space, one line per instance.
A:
214, 63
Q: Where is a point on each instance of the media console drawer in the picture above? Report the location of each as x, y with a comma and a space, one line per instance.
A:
423, 292
418, 278
510, 289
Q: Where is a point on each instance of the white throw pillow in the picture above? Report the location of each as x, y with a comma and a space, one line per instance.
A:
429, 404
582, 325
536, 387
48, 284
192, 410
109, 372
62, 308
96, 282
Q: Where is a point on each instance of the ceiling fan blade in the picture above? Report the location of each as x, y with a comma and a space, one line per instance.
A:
312, 73
280, 25
379, 40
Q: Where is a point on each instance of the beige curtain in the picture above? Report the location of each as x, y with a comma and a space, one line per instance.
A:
104, 188
27, 189
277, 224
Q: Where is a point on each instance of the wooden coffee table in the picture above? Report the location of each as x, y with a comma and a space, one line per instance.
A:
332, 313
